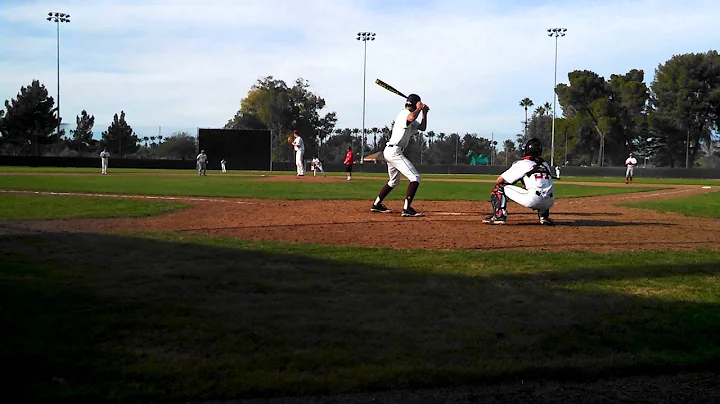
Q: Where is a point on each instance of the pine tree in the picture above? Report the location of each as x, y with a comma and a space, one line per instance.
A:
120, 138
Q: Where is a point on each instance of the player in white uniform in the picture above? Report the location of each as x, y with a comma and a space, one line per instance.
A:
317, 165
536, 192
630, 162
202, 163
299, 146
104, 156
222, 165
406, 125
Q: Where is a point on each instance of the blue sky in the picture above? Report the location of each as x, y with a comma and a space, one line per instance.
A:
182, 64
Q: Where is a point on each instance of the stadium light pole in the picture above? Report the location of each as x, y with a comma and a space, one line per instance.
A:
57, 18
364, 37
556, 32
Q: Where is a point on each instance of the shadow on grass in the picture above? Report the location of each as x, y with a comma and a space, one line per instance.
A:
115, 318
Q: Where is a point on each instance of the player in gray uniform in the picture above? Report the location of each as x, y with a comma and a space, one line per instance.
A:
406, 125
202, 163
104, 156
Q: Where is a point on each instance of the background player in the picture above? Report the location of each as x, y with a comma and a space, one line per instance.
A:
349, 162
630, 162
406, 125
222, 165
297, 143
104, 156
202, 163
317, 165
537, 190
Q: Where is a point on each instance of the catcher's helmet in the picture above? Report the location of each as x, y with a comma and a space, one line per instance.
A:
412, 99
532, 148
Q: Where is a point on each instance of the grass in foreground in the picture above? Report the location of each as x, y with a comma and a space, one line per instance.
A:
262, 188
703, 205
17, 206
191, 318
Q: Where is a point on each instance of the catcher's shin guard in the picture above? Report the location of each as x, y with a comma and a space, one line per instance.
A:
499, 202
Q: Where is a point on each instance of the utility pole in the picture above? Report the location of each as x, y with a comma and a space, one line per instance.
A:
364, 37
556, 32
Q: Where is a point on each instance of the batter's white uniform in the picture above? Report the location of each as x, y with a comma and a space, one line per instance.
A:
104, 156
299, 153
538, 193
396, 161
317, 165
631, 162
222, 165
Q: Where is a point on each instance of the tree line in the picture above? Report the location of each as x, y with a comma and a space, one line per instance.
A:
674, 120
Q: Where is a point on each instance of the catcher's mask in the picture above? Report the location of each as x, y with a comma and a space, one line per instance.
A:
532, 148
412, 101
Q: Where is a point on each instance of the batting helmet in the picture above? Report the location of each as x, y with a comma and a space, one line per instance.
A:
532, 148
412, 99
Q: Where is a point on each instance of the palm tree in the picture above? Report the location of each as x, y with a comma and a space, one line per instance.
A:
160, 138
539, 111
375, 131
526, 103
548, 108
441, 136
146, 140
431, 136
354, 132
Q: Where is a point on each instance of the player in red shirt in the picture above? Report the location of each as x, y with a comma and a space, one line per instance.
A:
349, 163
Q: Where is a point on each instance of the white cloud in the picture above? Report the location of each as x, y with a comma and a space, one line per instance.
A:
185, 63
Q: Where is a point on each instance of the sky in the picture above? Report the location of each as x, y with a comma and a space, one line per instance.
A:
184, 64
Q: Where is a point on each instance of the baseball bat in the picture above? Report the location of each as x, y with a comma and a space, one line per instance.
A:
389, 87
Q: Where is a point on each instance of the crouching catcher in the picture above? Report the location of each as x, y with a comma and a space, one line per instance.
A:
537, 191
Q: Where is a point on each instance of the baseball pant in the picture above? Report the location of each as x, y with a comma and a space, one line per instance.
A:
399, 164
223, 168
629, 171
202, 168
299, 161
104, 165
529, 199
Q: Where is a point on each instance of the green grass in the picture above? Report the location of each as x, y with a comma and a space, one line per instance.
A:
191, 318
258, 187
703, 205
237, 173
17, 206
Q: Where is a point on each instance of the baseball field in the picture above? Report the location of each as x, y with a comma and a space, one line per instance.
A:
163, 286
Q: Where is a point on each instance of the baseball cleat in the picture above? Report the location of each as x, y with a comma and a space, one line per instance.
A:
546, 221
494, 220
380, 209
410, 212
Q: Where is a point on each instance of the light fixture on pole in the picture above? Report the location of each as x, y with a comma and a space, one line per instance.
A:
57, 18
556, 32
365, 37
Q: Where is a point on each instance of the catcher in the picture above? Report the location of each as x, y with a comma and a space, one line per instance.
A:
536, 192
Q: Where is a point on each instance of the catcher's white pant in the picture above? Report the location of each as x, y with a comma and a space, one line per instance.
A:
399, 164
318, 167
529, 199
104, 165
299, 161
629, 171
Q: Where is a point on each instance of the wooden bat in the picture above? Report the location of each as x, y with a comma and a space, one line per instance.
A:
389, 87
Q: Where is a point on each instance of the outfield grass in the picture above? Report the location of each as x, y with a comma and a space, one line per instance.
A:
187, 317
258, 187
703, 205
17, 206
238, 173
